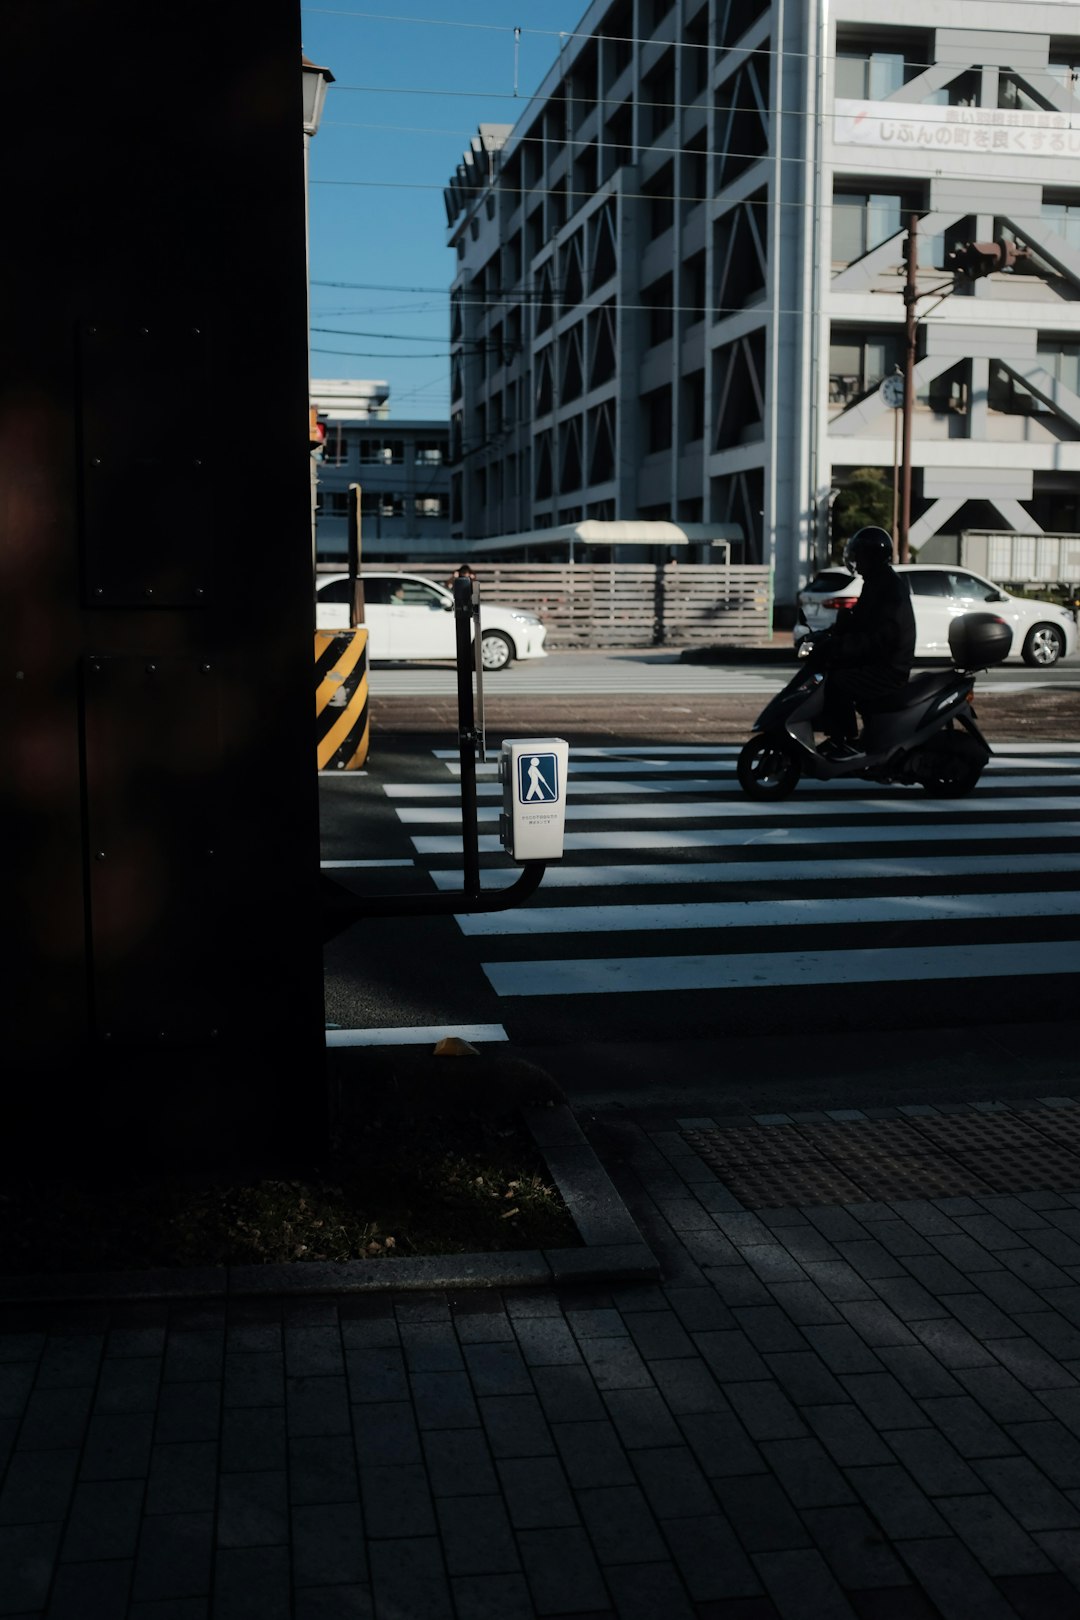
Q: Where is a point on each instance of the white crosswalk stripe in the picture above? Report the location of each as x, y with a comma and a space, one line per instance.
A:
763, 874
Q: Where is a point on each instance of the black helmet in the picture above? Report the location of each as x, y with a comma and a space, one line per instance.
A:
869, 548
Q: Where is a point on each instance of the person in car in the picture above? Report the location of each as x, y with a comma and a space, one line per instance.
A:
869, 651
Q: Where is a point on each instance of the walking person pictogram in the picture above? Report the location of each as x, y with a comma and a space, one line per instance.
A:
538, 787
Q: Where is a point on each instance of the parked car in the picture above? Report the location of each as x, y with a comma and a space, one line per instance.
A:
409, 617
1042, 631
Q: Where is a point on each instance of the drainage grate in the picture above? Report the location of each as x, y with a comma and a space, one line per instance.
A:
944, 1156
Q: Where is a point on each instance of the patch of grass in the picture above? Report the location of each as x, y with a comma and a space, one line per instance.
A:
399, 1186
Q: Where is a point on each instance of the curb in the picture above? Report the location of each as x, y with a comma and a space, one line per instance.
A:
613, 1250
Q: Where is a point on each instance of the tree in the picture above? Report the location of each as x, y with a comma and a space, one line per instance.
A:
865, 498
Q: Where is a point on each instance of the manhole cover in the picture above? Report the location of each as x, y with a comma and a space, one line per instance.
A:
946, 1156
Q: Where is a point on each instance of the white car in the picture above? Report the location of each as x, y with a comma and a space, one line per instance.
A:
408, 617
1042, 631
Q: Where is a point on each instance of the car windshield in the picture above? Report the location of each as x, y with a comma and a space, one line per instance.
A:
832, 579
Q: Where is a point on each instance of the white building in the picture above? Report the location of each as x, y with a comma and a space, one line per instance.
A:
679, 280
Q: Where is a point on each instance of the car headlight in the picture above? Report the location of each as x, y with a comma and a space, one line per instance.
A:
525, 618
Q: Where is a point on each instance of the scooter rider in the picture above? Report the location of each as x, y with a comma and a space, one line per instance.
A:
869, 651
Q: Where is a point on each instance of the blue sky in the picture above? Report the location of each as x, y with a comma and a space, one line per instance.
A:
410, 88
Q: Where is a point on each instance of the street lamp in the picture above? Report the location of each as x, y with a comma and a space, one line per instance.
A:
316, 80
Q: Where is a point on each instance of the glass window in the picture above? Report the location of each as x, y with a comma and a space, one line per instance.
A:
381, 452
928, 582
1062, 361
377, 592
858, 364
868, 75
336, 590
416, 593
429, 452
968, 585
863, 220
1063, 217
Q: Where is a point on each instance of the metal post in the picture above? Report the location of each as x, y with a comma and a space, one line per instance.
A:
356, 585
910, 300
463, 622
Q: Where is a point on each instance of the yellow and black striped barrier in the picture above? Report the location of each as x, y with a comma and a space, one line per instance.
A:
341, 698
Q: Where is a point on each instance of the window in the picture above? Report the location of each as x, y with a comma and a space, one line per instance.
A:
658, 300
658, 96
694, 406
860, 362
1062, 361
657, 413
336, 502
864, 73
431, 506
337, 590
862, 220
928, 582
1061, 213
381, 503
661, 207
335, 446
430, 452
381, 452
960, 584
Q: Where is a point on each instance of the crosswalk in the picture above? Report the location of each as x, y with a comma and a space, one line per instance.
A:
699, 889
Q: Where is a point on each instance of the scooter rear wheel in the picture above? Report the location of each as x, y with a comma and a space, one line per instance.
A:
951, 765
766, 769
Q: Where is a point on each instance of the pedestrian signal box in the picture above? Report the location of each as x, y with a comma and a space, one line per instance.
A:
533, 775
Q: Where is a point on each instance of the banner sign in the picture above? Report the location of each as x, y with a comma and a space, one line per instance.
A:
967, 129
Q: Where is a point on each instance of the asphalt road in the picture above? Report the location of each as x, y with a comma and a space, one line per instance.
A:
688, 933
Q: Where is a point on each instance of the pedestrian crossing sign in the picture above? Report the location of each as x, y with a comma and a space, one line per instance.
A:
538, 778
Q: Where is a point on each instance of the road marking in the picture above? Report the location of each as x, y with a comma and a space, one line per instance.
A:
771, 913
662, 875
840, 835
706, 784
347, 865
638, 975
901, 804
415, 1035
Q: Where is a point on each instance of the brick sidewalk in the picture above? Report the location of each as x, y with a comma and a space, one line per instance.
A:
866, 1410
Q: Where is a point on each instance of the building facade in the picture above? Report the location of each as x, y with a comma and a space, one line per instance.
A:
400, 465
679, 275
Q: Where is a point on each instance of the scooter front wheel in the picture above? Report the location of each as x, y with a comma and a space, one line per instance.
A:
767, 769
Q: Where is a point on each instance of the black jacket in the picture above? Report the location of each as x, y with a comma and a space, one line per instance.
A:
879, 631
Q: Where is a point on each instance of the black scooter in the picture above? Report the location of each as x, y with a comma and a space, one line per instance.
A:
924, 733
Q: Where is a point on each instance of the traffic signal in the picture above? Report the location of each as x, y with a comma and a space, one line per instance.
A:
316, 431
975, 259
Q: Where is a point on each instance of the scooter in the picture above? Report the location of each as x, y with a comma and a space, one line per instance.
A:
925, 733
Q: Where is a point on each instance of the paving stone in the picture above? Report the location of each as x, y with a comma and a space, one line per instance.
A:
899, 1239
431, 1347
806, 1472
421, 1307
255, 1338
1034, 1269
803, 1302
1041, 1597
909, 1300
1003, 1396
562, 1572
642, 1417
846, 1434
316, 1406
252, 1437
835, 1224
615, 1364
842, 1349
592, 1454
658, 1334
954, 1581
710, 1560
1065, 1404
766, 1411
174, 1556
183, 1478
27, 1555
252, 1583
516, 1426
568, 1394
1057, 1336
992, 1233
444, 1400
313, 1352
322, 1468
26, 1347
1053, 1448
193, 1355
459, 1462
897, 1503
805, 1242
189, 1411
854, 1547
923, 1216
965, 1253
968, 1427
70, 1360
396, 1501
642, 1591
674, 1485
38, 1486
476, 1536
1010, 1293
525, 1302
870, 1259
104, 1521
328, 1544
774, 1262
546, 1342
805, 1378
91, 1591
768, 1329
54, 1419
370, 1333
596, 1324
802, 1586
736, 1285
982, 1317
883, 1400
1027, 1494
721, 1445
128, 1385
385, 1434
117, 1446
377, 1373
920, 1373
934, 1464
537, 1494
952, 1344
760, 1513
1011, 1212
254, 1380
730, 1356
620, 1526
1028, 1362
492, 1597
838, 1281
993, 1535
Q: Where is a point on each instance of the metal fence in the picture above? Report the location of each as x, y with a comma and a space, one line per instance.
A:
632, 604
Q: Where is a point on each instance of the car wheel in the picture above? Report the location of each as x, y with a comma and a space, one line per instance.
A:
766, 770
1044, 646
496, 650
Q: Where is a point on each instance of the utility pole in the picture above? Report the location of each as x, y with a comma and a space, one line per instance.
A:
911, 296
